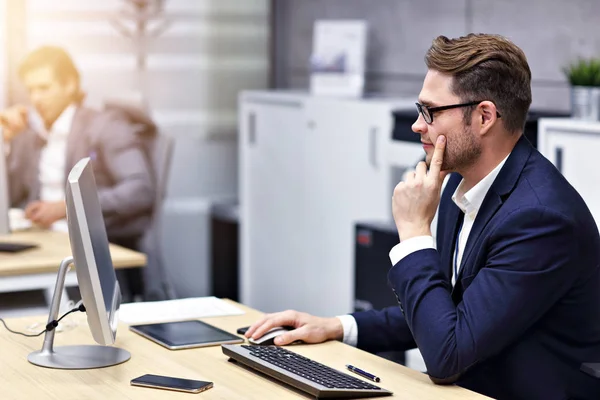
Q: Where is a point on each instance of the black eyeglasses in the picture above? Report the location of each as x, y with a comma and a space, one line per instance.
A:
427, 112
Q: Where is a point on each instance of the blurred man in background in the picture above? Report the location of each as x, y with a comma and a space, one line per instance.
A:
45, 141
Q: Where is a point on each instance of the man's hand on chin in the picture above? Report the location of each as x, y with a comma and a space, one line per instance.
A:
415, 200
45, 213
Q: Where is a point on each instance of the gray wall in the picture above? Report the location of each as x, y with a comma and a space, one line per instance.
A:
551, 32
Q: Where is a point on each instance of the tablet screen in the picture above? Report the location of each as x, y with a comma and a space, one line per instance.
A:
185, 334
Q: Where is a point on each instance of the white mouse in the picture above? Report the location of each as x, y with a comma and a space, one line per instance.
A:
268, 338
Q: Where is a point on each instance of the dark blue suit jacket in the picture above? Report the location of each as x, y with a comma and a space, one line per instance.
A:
525, 311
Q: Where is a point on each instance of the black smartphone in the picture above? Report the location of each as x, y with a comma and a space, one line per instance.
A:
171, 383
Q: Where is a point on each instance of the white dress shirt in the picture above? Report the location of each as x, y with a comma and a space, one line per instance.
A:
469, 203
53, 158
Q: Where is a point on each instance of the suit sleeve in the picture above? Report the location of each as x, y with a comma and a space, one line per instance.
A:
18, 167
133, 192
529, 267
387, 329
383, 330
14, 177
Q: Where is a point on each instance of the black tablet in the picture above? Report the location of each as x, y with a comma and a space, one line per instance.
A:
11, 247
185, 334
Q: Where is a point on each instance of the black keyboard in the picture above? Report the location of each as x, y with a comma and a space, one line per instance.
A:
303, 373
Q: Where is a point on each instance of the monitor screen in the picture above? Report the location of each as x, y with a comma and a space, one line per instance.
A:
98, 237
93, 263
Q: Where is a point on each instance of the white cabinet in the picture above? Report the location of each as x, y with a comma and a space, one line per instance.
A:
271, 201
347, 182
573, 146
309, 168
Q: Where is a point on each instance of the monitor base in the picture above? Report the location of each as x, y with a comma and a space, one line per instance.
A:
72, 357
79, 357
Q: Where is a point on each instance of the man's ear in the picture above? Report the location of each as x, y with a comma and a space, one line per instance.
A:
487, 115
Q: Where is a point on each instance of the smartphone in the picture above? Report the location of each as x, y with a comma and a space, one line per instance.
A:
170, 383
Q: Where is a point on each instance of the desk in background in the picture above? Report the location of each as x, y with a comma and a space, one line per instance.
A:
37, 268
21, 380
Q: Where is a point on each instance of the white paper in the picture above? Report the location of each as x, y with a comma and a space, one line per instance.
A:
176, 310
17, 220
338, 58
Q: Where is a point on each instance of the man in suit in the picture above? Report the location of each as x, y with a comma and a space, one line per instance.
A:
508, 302
46, 140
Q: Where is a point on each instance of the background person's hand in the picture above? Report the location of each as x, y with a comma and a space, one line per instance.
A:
13, 121
309, 329
45, 213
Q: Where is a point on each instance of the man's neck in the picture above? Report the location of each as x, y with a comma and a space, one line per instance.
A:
48, 124
488, 160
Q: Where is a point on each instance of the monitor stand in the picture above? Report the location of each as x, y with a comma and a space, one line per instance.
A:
592, 369
73, 357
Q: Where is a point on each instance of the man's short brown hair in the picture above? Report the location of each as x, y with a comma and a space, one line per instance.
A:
486, 67
54, 57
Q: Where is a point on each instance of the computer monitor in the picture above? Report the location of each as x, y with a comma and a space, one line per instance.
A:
4, 197
96, 277
89, 244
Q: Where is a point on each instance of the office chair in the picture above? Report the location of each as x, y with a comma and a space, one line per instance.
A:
157, 282
157, 285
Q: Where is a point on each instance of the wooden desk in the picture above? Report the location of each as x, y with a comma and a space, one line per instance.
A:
37, 268
21, 380
54, 246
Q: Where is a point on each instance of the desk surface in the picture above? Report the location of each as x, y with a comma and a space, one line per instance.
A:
21, 380
54, 247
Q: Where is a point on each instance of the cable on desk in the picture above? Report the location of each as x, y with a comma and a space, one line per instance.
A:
50, 326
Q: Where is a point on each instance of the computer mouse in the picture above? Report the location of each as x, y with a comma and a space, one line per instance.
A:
268, 339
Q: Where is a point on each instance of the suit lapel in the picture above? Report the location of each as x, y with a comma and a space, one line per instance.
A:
454, 220
498, 193
490, 206
33, 177
451, 222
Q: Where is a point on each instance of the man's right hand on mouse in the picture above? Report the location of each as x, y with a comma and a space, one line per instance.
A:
13, 121
308, 328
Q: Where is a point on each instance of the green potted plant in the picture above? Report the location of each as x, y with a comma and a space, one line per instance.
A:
584, 77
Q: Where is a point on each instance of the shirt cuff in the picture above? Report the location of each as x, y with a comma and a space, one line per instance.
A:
409, 246
350, 329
